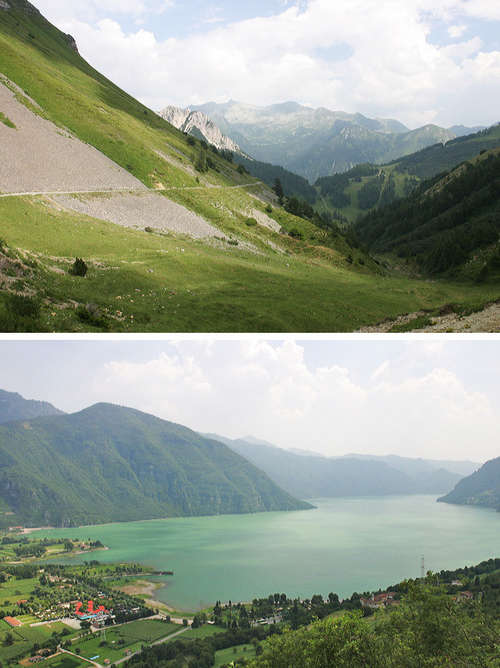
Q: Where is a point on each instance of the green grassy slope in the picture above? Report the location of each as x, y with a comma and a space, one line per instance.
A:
109, 463
259, 280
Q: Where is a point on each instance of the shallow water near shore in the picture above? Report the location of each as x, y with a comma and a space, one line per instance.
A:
344, 545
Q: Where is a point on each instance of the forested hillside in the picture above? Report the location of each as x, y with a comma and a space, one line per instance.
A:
310, 476
14, 407
445, 222
109, 463
482, 488
369, 185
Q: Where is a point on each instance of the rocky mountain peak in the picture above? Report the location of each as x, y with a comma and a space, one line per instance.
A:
196, 122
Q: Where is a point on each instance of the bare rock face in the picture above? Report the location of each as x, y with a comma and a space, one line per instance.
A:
4, 4
187, 121
72, 43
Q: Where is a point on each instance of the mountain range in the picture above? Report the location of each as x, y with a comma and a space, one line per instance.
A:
312, 142
309, 475
14, 407
109, 463
197, 124
482, 488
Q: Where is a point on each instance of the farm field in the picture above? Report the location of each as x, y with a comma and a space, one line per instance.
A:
115, 642
225, 656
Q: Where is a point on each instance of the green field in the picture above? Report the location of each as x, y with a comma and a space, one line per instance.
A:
151, 283
202, 632
225, 656
24, 638
64, 661
115, 642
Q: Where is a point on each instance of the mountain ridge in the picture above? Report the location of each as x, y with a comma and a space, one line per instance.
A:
482, 488
318, 142
110, 463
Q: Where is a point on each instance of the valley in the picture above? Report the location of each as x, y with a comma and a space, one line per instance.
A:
175, 236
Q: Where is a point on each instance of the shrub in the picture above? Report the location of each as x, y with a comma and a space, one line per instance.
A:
251, 222
149, 230
191, 141
79, 268
295, 233
269, 209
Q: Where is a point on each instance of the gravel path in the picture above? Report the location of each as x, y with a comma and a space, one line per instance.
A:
140, 210
487, 321
39, 156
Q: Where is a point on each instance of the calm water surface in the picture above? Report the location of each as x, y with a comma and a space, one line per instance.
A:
344, 545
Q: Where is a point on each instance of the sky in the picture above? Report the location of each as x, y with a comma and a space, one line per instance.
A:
420, 61
434, 399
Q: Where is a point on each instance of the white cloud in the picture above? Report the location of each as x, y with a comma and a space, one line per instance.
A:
456, 31
270, 391
393, 70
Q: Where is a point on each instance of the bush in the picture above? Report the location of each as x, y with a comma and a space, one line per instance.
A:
269, 209
251, 222
79, 268
295, 233
91, 315
149, 230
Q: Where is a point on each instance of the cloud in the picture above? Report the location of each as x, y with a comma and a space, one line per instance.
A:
394, 69
270, 391
456, 31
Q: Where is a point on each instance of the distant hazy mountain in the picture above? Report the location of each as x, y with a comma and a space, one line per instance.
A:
317, 142
482, 488
199, 125
109, 463
415, 467
312, 475
14, 407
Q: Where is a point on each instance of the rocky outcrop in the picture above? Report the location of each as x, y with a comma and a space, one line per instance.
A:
4, 4
196, 123
72, 43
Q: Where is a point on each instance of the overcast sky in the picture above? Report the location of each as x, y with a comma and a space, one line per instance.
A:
419, 61
429, 399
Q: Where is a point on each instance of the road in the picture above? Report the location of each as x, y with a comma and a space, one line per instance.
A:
126, 190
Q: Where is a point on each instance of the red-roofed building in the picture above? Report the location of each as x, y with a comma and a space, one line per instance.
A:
12, 621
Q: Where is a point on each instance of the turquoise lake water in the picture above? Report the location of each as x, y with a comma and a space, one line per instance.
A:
344, 545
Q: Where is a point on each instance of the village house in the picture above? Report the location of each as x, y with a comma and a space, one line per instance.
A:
379, 600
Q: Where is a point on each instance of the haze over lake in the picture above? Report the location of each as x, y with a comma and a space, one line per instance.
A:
344, 545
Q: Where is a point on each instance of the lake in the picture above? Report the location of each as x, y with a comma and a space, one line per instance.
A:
344, 545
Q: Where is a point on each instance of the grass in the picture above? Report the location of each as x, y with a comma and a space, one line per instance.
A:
226, 656
6, 121
119, 639
204, 631
24, 638
152, 283
64, 661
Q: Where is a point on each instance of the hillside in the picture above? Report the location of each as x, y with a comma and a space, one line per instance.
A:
14, 407
448, 222
108, 463
174, 236
367, 186
310, 476
317, 142
482, 488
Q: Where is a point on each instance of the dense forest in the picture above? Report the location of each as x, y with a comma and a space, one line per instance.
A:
443, 221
